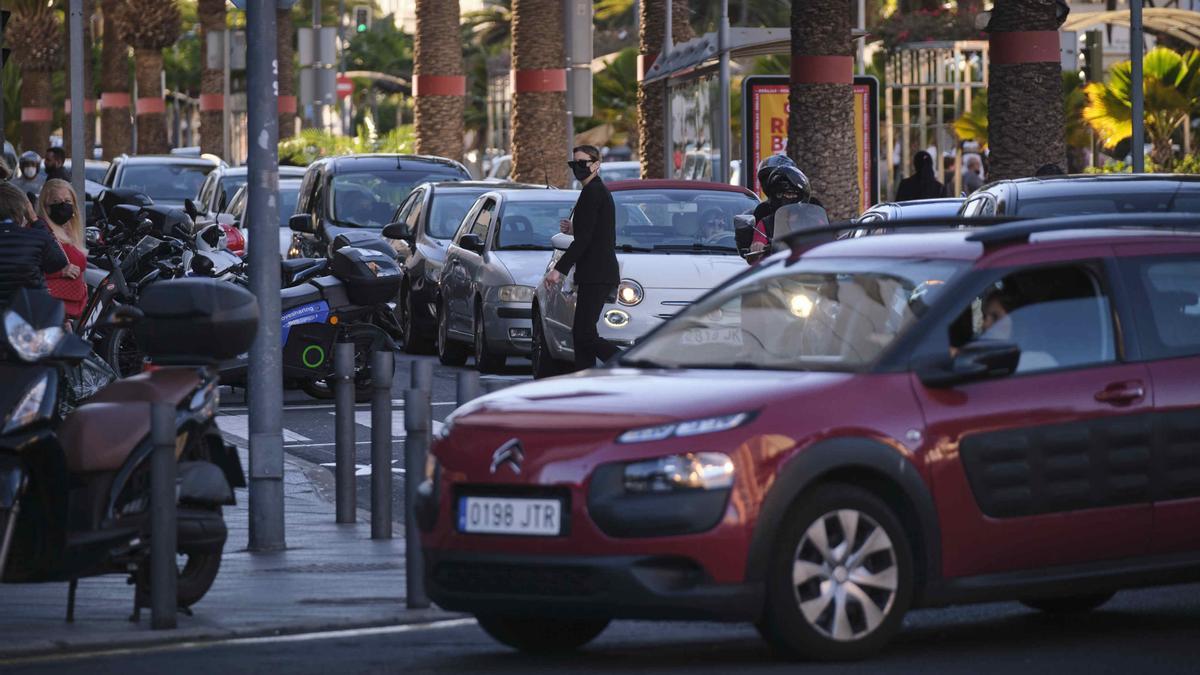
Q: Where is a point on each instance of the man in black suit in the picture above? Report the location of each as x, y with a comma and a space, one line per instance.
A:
593, 255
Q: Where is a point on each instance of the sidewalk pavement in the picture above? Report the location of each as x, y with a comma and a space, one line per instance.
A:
330, 577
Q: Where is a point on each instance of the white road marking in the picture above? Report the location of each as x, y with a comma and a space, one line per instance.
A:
365, 469
322, 406
233, 642
239, 426
363, 418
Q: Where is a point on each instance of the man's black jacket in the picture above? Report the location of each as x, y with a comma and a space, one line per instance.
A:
593, 253
27, 255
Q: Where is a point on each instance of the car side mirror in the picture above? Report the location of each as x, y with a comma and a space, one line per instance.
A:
561, 241
976, 360
302, 223
471, 242
398, 230
189, 207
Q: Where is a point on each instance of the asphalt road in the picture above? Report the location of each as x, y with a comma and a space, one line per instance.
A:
1146, 631
309, 423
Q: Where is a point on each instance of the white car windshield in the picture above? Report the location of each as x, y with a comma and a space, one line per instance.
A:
823, 314
678, 221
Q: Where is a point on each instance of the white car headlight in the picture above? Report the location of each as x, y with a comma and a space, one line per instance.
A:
630, 292
29, 344
516, 293
29, 408
706, 425
690, 471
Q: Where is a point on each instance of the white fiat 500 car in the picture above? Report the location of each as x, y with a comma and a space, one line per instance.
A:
675, 241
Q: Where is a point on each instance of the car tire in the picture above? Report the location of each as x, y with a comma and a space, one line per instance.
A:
833, 595
449, 351
544, 363
538, 635
1071, 604
414, 343
486, 360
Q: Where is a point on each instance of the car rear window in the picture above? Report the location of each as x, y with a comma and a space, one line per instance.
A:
171, 182
1162, 201
1168, 315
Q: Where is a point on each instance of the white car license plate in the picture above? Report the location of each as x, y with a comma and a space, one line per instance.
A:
708, 336
505, 515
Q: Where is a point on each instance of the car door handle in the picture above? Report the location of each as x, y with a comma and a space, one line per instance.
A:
1120, 393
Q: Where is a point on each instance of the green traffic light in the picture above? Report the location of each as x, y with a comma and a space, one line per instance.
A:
362, 27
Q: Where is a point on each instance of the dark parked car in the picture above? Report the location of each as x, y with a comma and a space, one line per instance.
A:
431, 214
356, 192
1086, 194
892, 422
872, 220
167, 179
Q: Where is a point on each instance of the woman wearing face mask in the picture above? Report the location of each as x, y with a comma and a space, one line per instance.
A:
57, 206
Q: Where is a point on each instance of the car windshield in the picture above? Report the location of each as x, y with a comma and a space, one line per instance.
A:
698, 221
289, 192
448, 211
613, 173
822, 314
529, 225
368, 199
166, 181
1112, 201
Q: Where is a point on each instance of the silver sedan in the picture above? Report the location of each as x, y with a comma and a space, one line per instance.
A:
496, 259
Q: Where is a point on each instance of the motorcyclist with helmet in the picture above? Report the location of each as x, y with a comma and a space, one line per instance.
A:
29, 178
784, 184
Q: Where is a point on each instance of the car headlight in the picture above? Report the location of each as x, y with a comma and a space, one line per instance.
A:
690, 471
705, 425
516, 293
29, 408
630, 292
29, 344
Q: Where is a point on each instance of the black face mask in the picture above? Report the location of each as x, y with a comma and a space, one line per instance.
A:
61, 213
580, 169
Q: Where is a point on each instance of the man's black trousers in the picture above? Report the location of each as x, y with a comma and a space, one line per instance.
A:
589, 303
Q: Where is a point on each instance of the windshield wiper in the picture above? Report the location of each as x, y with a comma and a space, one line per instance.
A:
524, 247
644, 363
695, 247
630, 248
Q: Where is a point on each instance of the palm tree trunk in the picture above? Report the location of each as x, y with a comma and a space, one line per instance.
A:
439, 86
89, 96
212, 80
821, 97
36, 114
652, 26
1026, 128
539, 109
116, 129
285, 46
151, 115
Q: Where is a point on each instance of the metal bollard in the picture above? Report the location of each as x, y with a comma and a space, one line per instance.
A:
344, 432
422, 375
382, 371
468, 387
163, 572
418, 415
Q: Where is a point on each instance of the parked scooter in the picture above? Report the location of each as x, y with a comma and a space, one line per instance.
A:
75, 492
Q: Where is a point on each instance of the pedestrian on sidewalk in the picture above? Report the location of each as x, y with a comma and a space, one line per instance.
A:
923, 183
593, 255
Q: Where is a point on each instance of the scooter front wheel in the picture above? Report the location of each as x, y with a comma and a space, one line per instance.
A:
197, 572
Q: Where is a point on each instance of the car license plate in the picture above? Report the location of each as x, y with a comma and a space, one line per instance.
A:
708, 336
505, 515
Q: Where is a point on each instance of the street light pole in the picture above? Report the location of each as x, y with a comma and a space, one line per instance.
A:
78, 114
1136, 49
726, 130
266, 359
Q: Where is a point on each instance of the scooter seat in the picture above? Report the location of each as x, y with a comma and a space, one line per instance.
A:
100, 436
169, 385
297, 270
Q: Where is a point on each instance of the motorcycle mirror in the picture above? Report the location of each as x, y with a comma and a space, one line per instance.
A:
743, 222
189, 207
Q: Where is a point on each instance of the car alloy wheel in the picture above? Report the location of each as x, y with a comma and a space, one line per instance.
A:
450, 353
840, 575
845, 575
485, 360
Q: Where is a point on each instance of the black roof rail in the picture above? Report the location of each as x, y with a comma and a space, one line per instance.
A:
904, 224
1021, 231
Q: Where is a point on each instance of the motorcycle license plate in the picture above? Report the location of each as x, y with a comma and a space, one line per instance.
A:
511, 516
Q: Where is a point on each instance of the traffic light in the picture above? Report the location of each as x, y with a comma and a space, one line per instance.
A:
362, 18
